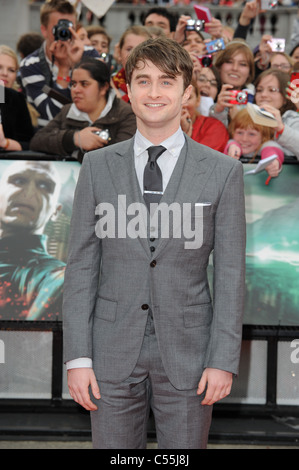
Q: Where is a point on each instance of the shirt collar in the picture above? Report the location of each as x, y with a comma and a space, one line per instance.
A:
173, 144
75, 113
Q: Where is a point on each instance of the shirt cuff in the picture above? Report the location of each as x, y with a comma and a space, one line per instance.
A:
79, 363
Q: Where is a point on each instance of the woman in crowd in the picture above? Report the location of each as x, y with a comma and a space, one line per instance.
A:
128, 41
272, 94
294, 54
281, 61
16, 128
252, 141
236, 67
209, 85
205, 130
95, 107
8, 66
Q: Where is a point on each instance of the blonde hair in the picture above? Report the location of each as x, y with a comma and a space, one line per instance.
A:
137, 30
5, 50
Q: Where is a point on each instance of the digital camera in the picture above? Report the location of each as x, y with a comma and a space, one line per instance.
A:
61, 31
214, 46
277, 44
103, 133
205, 60
195, 25
239, 97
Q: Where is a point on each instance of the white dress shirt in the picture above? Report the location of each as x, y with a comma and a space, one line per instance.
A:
166, 162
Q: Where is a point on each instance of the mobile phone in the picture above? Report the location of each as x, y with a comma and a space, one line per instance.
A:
295, 78
203, 13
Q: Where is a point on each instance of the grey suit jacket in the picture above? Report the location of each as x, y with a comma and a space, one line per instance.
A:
110, 282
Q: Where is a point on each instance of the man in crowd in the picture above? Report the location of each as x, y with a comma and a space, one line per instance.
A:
52, 63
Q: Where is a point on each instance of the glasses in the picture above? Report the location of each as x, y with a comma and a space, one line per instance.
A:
202, 79
270, 89
281, 66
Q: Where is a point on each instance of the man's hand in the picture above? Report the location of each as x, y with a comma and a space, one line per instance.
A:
218, 383
79, 381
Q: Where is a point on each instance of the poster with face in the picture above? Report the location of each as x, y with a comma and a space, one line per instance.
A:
35, 210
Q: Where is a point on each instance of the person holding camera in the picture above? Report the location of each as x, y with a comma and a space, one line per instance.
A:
95, 119
51, 64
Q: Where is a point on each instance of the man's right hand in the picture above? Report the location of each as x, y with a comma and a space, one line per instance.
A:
79, 381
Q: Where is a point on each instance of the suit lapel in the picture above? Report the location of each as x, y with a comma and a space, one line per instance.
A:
188, 181
123, 176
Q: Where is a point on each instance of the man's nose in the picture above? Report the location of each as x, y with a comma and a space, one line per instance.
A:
29, 191
154, 91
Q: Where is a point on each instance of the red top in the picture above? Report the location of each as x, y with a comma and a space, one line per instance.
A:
210, 132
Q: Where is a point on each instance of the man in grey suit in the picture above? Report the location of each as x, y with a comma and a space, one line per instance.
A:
141, 328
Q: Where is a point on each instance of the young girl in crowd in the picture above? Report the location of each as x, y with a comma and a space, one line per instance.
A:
271, 93
252, 141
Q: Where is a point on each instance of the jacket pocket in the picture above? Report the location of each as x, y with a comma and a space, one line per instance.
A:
198, 315
106, 309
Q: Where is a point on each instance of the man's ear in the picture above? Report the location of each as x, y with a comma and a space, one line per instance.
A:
129, 91
55, 214
187, 94
43, 30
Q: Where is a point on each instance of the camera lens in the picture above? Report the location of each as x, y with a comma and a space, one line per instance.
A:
206, 61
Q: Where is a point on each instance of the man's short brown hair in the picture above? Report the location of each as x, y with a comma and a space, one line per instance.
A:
60, 6
166, 54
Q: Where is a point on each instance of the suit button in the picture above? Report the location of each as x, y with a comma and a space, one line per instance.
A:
152, 248
152, 239
144, 307
153, 263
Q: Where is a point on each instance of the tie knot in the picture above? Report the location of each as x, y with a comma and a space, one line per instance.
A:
154, 152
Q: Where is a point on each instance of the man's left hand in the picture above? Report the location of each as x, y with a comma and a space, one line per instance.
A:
217, 383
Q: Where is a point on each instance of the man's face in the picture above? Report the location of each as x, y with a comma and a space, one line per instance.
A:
28, 197
47, 31
157, 99
158, 20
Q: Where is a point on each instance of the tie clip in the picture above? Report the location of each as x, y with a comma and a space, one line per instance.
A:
153, 192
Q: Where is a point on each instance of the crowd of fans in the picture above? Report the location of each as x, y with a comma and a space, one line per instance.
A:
68, 95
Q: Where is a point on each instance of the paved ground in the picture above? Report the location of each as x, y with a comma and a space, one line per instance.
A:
87, 445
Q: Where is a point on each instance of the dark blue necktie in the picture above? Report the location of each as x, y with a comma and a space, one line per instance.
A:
152, 177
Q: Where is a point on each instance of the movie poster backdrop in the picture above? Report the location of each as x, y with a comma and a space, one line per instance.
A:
32, 267
34, 247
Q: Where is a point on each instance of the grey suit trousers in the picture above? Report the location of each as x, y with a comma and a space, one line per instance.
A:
122, 417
